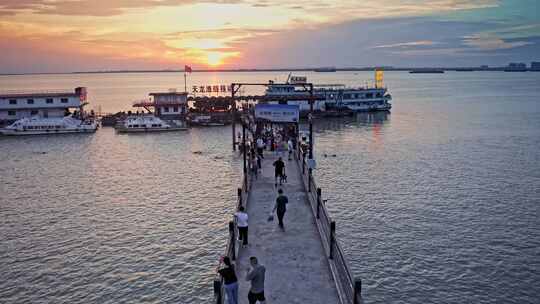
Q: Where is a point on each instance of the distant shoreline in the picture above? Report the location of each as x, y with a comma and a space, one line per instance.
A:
363, 69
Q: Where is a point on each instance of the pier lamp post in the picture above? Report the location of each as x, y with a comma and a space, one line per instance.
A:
233, 116
310, 118
244, 146
310, 122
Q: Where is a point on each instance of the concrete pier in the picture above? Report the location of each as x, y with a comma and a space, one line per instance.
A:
297, 269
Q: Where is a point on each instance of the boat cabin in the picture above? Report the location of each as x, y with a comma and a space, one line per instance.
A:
170, 105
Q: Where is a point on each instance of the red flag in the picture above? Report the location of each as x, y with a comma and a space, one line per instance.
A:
187, 69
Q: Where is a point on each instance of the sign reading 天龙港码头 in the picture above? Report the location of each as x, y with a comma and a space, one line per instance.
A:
277, 112
209, 89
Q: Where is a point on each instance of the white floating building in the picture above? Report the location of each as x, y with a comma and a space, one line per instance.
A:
44, 104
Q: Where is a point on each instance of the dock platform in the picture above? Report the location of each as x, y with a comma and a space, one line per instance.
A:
297, 270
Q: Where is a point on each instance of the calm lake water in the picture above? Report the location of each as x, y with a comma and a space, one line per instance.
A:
435, 202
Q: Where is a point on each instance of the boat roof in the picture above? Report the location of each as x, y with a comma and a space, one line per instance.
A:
168, 94
38, 95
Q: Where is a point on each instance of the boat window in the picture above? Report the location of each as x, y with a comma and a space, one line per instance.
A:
13, 101
346, 96
30, 101
175, 109
49, 100
369, 95
64, 100
29, 127
34, 112
379, 94
135, 126
166, 109
12, 113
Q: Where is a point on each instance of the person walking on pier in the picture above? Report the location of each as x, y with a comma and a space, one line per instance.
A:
242, 224
260, 147
281, 207
254, 164
290, 148
230, 280
256, 276
279, 170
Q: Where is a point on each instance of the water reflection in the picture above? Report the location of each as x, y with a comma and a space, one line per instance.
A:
366, 121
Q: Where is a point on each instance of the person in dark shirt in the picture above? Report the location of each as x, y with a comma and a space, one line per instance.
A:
281, 207
279, 170
230, 280
256, 275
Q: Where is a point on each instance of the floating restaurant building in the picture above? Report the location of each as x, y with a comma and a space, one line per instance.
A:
45, 104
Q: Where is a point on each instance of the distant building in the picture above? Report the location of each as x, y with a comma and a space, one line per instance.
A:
519, 65
18, 105
535, 66
516, 67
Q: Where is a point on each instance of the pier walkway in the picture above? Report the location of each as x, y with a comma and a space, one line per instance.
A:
297, 269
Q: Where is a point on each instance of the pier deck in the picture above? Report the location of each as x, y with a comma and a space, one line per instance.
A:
297, 269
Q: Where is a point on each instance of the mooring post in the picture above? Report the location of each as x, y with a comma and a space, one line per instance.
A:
332, 239
357, 290
233, 240
318, 201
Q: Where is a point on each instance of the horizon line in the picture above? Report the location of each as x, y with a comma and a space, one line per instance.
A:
305, 69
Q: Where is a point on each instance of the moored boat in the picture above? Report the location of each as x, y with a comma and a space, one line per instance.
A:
39, 126
337, 99
166, 111
146, 123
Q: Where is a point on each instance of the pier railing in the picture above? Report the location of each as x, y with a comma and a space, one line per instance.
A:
348, 287
231, 249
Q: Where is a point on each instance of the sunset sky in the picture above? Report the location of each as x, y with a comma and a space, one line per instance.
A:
73, 35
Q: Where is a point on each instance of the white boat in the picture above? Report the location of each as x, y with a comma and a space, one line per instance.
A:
57, 125
333, 96
147, 123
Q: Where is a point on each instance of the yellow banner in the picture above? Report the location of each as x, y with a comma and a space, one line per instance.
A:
378, 79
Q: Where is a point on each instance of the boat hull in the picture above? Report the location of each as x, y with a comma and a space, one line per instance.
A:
148, 130
16, 132
371, 109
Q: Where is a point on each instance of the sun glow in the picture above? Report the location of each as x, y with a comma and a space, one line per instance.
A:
215, 59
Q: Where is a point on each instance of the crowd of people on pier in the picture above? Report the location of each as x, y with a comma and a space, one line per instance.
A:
281, 141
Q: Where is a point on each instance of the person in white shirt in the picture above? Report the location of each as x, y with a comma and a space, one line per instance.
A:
242, 224
290, 148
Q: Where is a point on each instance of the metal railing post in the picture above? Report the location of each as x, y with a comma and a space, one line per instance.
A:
332, 239
217, 291
319, 191
233, 240
239, 198
357, 290
303, 162
310, 177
